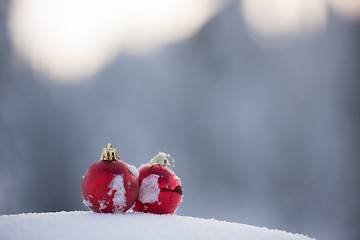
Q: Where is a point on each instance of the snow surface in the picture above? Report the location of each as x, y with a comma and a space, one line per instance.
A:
117, 186
94, 226
149, 189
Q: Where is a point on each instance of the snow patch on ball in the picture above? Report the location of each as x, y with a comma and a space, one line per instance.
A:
144, 165
178, 180
117, 187
87, 203
149, 189
170, 171
133, 170
102, 204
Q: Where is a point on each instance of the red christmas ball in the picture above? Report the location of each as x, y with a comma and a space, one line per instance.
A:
110, 185
160, 189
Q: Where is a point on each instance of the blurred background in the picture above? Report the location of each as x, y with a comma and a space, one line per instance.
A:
257, 100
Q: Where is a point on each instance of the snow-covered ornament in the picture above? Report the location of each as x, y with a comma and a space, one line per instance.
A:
110, 185
160, 189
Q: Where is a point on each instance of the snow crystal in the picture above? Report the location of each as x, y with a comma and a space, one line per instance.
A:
149, 189
102, 204
133, 170
117, 186
87, 203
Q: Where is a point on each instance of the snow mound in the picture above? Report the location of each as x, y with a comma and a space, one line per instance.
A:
95, 226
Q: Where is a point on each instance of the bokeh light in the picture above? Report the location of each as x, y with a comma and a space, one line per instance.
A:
71, 40
280, 18
275, 20
348, 9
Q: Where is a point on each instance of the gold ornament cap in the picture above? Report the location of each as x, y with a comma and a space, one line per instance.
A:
109, 153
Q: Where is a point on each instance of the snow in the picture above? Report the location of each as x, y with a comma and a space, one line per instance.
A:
133, 170
102, 204
117, 186
160, 155
95, 226
178, 180
87, 202
149, 189
143, 165
170, 171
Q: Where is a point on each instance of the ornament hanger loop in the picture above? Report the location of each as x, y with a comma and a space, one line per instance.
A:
172, 159
162, 159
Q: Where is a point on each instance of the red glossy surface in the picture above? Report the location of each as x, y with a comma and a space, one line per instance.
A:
170, 191
96, 189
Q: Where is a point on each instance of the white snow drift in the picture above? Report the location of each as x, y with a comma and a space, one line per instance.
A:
95, 226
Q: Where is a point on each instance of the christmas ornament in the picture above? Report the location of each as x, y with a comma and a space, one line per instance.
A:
110, 185
160, 189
